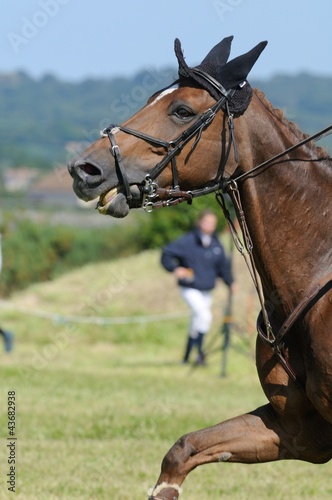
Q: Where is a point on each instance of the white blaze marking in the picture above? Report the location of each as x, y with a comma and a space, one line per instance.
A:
165, 92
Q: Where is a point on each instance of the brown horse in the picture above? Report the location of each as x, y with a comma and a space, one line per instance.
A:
206, 133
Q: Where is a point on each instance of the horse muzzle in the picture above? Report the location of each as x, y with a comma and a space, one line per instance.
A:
90, 182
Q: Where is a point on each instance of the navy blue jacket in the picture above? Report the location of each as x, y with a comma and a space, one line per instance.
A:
207, 263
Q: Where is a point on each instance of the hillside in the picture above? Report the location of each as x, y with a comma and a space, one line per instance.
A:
99, 405
41, 121
38, 118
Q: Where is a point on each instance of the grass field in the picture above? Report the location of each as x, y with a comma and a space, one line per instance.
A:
98, 406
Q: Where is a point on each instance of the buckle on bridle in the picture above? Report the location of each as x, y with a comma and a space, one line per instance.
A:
115, 150
150, 190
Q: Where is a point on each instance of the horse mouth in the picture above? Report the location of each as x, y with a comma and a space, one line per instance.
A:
106, 199
114, 202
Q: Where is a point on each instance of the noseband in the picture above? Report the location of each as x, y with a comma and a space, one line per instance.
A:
149, 186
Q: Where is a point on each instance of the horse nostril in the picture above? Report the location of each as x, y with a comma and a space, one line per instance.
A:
86, 171
89, 169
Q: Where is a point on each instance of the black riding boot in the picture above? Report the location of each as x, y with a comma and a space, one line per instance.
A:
190, 344
200, 357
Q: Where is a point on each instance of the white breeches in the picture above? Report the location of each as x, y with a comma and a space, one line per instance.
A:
200, 306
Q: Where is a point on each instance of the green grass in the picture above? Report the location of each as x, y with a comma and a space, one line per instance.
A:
99, 406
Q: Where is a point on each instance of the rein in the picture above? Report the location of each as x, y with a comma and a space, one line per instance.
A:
264, 328
267, 163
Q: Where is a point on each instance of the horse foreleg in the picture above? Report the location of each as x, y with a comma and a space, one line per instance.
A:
249, 438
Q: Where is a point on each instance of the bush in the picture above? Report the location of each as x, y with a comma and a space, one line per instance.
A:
37, 252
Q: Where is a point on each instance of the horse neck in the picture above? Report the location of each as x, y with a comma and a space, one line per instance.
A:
286, 208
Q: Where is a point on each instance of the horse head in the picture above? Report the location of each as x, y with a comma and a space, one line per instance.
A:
175, 144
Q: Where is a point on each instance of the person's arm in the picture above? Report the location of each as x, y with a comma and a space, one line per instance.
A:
172, 260
169, 258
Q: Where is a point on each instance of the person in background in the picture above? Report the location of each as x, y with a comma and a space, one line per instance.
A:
197, 259
6, 335
7, 339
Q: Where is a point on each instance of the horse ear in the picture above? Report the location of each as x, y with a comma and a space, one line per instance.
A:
236, 71
219, 55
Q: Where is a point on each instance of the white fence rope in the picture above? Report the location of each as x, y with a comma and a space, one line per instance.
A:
96, 320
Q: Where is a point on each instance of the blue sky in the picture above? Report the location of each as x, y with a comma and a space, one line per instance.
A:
74, 39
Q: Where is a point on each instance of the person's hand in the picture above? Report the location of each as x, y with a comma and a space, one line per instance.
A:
183, 273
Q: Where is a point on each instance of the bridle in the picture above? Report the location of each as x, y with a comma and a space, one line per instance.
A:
153, 195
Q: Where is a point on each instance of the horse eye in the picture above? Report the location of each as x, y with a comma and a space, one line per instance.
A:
183, 112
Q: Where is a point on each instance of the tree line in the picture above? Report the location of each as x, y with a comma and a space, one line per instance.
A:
39, 117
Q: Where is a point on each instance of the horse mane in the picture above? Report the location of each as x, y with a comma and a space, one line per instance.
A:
280, 116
